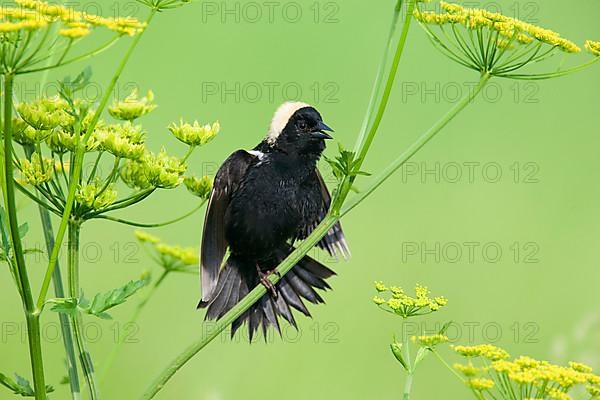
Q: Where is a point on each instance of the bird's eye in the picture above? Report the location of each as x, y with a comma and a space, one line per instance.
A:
301, 125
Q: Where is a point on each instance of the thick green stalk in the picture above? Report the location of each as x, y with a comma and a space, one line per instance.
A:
32, 318
408, 386
416, 146
59, 292
364, 145
78, 166
76, 320
378, 79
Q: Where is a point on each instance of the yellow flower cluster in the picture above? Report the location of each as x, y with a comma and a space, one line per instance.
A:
488, 351
75, 30
146, 237
44, 114
524, 374
195, 134
174, 258
188, 256
513, 29
593, 47
76, 24
407, 306
430, 340
62, 141
200, 187
133, 107
468, 370
123, 141
480, 384
37, 171
153, 171
96, 195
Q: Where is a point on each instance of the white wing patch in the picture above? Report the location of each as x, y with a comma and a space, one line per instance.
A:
262, 157
281, 118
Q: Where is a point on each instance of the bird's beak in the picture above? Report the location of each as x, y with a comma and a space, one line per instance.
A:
320, 133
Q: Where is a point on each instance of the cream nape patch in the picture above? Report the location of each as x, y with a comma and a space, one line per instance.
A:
281, 118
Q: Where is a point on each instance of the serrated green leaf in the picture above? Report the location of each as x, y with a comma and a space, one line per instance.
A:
103, 302
65, 306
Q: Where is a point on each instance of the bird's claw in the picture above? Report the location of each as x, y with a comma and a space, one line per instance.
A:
264, 280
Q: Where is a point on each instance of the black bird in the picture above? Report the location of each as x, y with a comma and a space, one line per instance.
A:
262, 201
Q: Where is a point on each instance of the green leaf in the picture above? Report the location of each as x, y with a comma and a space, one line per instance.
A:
397, 351
4, 229
103, 302
20, 385
444, 328
64, 306
23, 229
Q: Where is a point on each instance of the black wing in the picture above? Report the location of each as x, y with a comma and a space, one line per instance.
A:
214, 244
334, 241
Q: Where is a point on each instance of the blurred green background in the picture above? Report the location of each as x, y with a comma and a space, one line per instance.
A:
212, 60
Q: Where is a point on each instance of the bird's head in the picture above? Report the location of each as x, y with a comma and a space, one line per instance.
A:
298, 128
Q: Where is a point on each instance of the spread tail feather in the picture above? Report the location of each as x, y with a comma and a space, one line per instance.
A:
238, 277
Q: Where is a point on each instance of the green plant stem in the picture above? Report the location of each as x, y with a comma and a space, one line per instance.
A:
416, 146
132, 320
76, 319
59, 291
445, 364
78, 165
32, 318
408, 386
378, 78
151, 225
410, 372
364, 146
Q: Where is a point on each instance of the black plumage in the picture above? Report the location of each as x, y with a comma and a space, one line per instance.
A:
262, 201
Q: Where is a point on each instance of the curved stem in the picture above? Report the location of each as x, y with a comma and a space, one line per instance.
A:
84, 56
363, 149
416, 146
78, 165
378, 78
31, 316
149, 225
76, 319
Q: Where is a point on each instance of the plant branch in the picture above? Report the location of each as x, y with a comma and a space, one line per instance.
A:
59, 291
76, 319
32, 318
151, 225
78, 164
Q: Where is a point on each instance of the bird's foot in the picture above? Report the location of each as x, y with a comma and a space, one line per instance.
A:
264, 280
